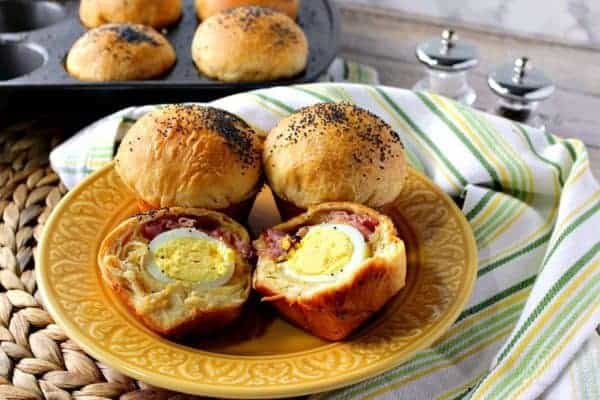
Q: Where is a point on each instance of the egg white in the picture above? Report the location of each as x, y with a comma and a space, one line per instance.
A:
359, 254
155, 271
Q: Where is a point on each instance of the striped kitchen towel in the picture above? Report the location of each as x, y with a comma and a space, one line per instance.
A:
580, 379
534, 208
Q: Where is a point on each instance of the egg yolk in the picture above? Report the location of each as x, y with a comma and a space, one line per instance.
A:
321, 251
194, 260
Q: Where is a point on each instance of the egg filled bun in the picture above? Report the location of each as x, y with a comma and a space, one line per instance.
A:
334, 152
206, 8
155, 13
179, 270
191, 156
249, 44
120, 52
329, 269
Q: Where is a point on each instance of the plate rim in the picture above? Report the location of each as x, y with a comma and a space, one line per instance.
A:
287, 390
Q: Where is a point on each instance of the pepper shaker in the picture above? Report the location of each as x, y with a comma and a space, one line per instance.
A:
520, 88
447, 61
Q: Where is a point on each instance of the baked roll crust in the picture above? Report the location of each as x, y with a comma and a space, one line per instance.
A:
334, 152
120, 52
249, 44
176, 307
191, 156
207, 8
155, 13
332, 309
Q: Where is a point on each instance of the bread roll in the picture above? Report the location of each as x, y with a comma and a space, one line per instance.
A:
334, 152
155, 13
330, 302
191, 156
249, 44
147, 261
120, 52
207, 8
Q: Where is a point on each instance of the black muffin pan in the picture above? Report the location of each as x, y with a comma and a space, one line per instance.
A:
35, 37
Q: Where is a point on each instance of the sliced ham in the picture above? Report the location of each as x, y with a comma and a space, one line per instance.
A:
167, 222
272, 246
234, 241
156, 226
364, 223
186, 222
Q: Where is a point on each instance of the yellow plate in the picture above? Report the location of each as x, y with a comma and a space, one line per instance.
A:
277, 360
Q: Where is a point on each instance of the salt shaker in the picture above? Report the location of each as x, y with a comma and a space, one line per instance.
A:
447, 61
520, 88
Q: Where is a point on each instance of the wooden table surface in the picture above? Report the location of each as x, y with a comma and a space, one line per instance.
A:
386, 40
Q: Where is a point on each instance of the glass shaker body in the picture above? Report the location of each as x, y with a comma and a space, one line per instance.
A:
448, 83
520, 87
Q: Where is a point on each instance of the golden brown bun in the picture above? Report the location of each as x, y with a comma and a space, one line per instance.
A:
155, 13
179, 308
191, 156
207, 8
120, 52
334, 310
334, 152
249, 44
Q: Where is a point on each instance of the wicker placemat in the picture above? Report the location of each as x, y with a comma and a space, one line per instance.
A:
37, 359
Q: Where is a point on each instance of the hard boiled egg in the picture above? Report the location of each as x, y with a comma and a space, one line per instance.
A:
325, 253
189, 255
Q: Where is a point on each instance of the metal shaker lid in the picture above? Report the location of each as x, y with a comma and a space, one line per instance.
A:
447, 53
520, 82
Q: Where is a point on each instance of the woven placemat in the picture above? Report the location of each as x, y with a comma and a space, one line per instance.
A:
37, 359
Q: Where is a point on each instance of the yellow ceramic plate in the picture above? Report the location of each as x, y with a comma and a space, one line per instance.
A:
276, 360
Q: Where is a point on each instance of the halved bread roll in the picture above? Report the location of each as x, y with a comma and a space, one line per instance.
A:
179, 270
328, 270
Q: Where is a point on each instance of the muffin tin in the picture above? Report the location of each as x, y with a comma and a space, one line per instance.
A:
35, 37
